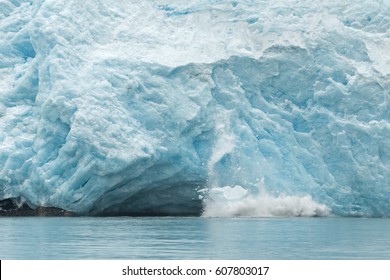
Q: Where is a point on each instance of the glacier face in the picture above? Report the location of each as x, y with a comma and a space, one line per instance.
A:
169, 107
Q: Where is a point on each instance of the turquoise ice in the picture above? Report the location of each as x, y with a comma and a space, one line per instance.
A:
175, 107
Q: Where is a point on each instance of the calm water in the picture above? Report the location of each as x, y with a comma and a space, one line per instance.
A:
194, 238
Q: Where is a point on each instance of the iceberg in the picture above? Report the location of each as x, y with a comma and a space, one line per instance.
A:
226, 108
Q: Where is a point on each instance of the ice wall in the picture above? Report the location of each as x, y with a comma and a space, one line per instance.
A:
154, 107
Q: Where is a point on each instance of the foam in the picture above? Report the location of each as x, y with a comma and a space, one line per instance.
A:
237, 202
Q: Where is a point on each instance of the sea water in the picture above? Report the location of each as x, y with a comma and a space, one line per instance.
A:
194, 238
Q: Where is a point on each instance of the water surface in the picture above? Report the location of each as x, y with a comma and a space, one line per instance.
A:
194, 238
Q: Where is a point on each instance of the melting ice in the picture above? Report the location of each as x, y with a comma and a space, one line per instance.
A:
132, 107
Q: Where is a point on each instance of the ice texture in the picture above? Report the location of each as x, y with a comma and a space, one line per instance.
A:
166, 107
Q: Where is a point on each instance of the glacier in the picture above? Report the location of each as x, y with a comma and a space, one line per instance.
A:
220, 108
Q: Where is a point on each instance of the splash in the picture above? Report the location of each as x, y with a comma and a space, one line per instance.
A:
238, 202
